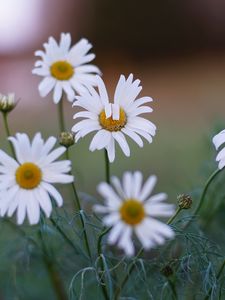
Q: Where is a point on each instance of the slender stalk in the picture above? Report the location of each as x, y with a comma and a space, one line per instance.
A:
6, 125
60, 116
102, 234
217, 277
204, 192
53, 274
107, 167
103, 284
99, 248
124, 281
173, 288
78, 205
174, 216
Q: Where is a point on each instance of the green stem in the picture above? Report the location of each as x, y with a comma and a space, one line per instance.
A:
8, 134
99, 248
204, 192
53, 274
60, 116
78, 205
107, 167
217, 277
173, 288
124, 281
174, 216
102, 234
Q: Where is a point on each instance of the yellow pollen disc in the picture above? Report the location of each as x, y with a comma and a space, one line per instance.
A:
28, 176
132, 212
62, 70
113, 125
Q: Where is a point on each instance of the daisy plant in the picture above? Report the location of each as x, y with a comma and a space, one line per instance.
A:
130, 208
130, 216
26, 182
114, 120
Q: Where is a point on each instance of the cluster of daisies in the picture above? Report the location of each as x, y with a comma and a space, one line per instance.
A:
26, 180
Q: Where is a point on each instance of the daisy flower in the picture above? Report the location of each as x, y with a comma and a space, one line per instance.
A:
113, 121
64, 68
130, 208
26, 182
218, 140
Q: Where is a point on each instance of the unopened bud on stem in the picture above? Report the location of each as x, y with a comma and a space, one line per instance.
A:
184, 201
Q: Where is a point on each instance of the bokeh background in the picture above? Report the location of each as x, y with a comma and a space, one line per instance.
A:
176, 48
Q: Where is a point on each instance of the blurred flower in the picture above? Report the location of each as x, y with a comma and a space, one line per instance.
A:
130, 208
218, 140
64, 68
7, 102
26, 183
114, 120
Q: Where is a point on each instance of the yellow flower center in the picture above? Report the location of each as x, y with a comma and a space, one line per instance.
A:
62, 70
28, 176
132, 212
113, 125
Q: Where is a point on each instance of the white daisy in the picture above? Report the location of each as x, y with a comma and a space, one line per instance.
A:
218, 140
26, 183
64, 68
130, 208
113, 121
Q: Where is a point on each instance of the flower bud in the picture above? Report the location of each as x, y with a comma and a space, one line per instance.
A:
7, 102
167, 271
184, 201
66, 139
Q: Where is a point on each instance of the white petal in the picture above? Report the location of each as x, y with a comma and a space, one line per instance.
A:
69, 91
107, 192
44, 201
219, 139
100, 140
115, 232
53, 192
102, 90
57, 95
8, 161
148, 187
157, 198
133, 136
125, 241
159, 210
137, 178
127, 184
111, 149
111, 218
33, 208
118, 187
46, 86
119, 137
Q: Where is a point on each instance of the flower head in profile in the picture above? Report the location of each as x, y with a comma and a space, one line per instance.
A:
219, 140
113, 121
26, 182
7, 102
64, 68
131, 209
